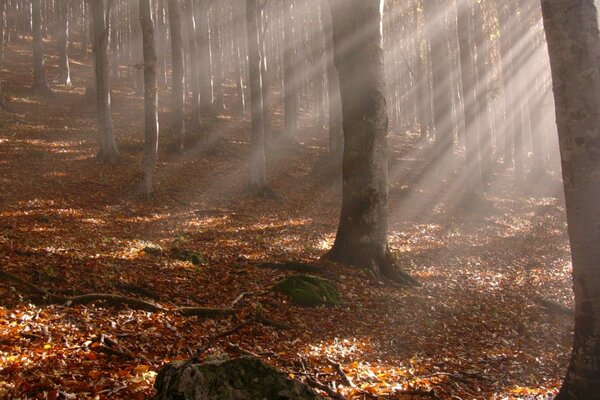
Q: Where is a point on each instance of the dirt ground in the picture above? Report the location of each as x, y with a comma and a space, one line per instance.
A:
474, 330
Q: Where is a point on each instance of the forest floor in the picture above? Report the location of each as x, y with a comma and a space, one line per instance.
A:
474, 330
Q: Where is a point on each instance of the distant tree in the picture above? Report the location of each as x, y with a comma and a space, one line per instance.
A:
573, 35
178, 96
62, 42
150, 96
361, 238
108, 148
40, 86
290, 81
258, 175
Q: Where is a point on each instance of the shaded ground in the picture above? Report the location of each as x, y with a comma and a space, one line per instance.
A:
73, 226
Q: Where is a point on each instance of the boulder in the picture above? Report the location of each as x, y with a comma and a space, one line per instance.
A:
242, 378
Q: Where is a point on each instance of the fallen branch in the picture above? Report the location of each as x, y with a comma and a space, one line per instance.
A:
338, 368
553, 306
330, 392
115, 299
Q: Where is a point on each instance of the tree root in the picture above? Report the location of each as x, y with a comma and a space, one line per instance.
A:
117, 300
265, 192
41, 91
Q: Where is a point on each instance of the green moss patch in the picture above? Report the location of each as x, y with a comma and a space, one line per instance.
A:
309, 290
188, 255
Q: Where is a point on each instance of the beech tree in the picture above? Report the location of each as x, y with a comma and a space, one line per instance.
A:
108, 148
150, 96
573, 36
40, 86
178, 96
361, 238
62, 21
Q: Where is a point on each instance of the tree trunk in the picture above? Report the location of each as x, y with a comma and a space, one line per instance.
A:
178, 96
258, 178
573, 35
290, 80
336, 136
443, 153
3, 28
201, 15
136, 46
217, 55
473, 188
420, 79
108, 149
361, 238
194, 73
150, 96
40, 86
62, 19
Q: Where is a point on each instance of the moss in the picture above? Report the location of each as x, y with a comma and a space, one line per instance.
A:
188, 255
309, 290
151, 248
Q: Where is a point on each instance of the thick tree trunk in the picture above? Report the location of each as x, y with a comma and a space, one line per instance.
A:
258, 178
108, 149
361, 238
62, 20
178, 96
40, 86
150, 96
573, 35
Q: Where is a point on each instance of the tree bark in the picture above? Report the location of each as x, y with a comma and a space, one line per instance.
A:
136, 46
258, 178
573, 35
191, 31
291, 82
178, 96
472, 174
361, 238
62, 19
201, 15
150, 96
108, 148
336, 136
40, 86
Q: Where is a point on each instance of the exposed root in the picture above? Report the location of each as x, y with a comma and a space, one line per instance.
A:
117, 300
108, 157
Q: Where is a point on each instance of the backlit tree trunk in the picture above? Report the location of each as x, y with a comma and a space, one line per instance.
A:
361, 238
290, 80
178, 97
573, 35
108, 149
62, 19
150, 96
258, 178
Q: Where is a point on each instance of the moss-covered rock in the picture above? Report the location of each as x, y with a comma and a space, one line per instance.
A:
151, 248
243, 378
309, 290
187, 255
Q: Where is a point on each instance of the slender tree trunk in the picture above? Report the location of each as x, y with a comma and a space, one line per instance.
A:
258, 177
420, 79
361, 238
290, 80
40, 86
178, 96
336, 136
150, 96
194, 73
473, 177
62, 20
217, 54
201, 14
108, 148
443, 153
3, 29
573, 35
136, 46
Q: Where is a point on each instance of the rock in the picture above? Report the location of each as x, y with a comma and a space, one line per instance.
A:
243, 378
309, 290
